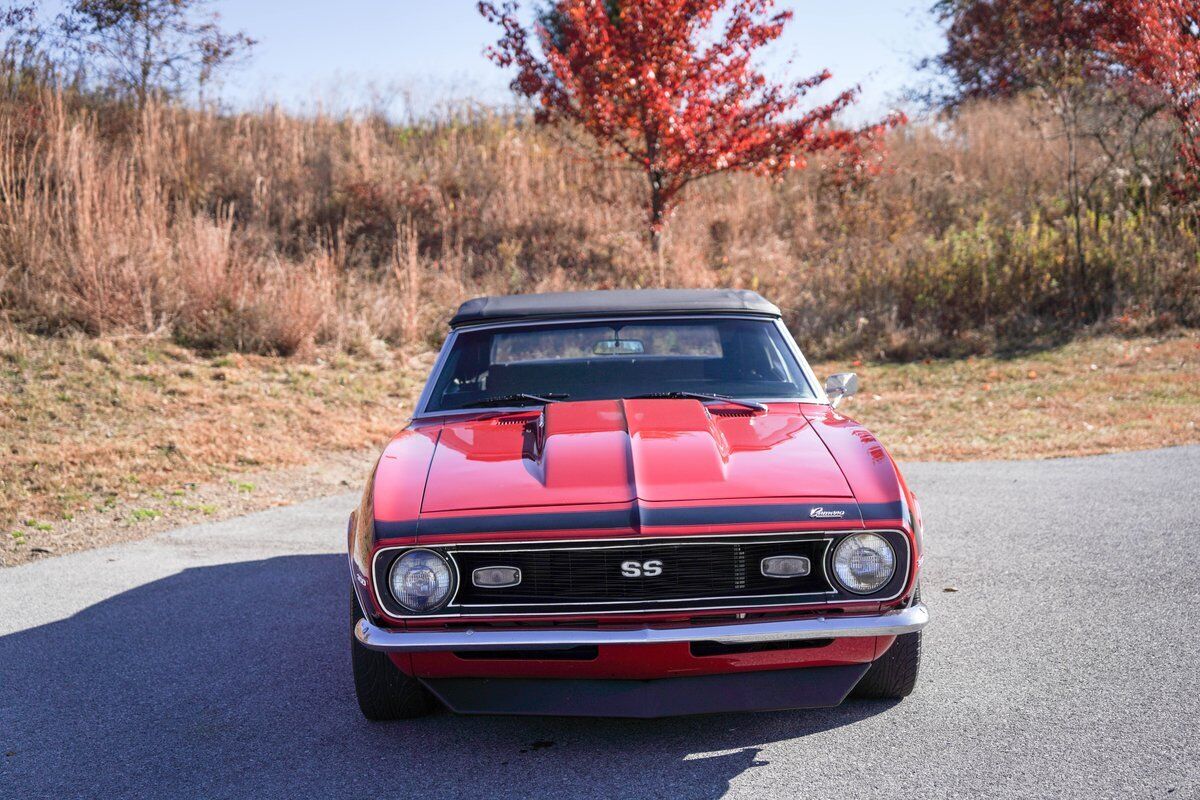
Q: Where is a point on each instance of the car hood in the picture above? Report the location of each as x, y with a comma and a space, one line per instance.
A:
616, 451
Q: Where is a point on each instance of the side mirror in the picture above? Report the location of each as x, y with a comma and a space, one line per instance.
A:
839, 387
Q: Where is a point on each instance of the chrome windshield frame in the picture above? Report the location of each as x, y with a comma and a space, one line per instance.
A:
421, 413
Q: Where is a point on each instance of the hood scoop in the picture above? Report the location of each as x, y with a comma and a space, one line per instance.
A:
732, 412
515, 420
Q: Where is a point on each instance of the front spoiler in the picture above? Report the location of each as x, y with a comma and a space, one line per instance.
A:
891, 623
770, 690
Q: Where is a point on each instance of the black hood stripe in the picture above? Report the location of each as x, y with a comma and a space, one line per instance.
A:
637, 516
503, 523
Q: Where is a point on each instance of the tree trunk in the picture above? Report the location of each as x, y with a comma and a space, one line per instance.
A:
658, 212
145, 68
1071, 130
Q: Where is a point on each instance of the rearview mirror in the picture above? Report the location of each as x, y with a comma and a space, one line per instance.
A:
840, 386
618, 347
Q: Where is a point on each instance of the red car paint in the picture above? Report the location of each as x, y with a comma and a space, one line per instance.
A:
616, 454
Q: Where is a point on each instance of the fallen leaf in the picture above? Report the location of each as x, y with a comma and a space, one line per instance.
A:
950, 589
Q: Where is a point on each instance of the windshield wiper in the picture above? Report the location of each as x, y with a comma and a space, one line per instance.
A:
519, 399
708, 398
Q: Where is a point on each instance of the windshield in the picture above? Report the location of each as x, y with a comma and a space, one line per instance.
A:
741, 358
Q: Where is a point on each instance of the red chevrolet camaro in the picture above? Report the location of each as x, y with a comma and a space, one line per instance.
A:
635, 504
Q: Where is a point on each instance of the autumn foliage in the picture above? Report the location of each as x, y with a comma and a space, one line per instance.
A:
1158, 43
661, 84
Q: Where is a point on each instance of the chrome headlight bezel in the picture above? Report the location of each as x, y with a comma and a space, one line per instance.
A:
841, 562
443, 569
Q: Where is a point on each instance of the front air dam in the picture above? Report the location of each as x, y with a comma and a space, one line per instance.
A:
811, 687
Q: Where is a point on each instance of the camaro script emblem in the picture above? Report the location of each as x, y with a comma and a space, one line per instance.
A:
820, 513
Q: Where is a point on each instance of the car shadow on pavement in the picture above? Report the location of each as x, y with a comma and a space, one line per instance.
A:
234, 681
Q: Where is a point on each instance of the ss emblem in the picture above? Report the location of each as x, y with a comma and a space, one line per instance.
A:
639, 569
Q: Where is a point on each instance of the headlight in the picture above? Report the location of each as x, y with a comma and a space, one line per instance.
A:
421, 580
864, 562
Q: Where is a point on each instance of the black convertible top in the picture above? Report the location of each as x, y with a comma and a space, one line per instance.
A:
614, 302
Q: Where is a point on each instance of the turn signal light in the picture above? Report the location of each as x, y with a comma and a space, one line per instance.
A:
786, 566
496, 577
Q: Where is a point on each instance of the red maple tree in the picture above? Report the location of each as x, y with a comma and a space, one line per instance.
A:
666, 86
1158, 43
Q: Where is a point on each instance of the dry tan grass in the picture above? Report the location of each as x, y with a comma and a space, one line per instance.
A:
111, 439
88, 425
269, 233
1093, 396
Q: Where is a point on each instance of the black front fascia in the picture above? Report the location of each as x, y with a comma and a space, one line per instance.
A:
741, 586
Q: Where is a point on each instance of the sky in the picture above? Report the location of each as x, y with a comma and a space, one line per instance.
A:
418, 55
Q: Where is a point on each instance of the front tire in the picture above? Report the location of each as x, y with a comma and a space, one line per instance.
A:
384, 692
894, 674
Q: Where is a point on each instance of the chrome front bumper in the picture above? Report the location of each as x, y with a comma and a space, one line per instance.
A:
891, 623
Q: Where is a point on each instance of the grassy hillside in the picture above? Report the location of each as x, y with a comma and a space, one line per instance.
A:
267, 233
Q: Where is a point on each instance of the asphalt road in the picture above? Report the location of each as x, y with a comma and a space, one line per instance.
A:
212, 662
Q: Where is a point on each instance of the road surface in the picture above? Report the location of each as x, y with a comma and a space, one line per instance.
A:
211, 662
